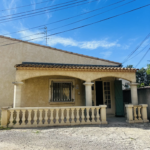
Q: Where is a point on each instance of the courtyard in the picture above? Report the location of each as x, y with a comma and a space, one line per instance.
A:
117, 135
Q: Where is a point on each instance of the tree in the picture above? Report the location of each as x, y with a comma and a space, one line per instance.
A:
148, 69
129, 66
142, 75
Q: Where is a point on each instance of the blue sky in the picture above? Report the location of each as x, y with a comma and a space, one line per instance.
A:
113, 39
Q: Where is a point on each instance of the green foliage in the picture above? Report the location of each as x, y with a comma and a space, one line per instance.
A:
148, 69
129, 66
142, 75
2, 128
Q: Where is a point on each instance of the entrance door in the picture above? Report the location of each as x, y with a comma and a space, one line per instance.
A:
119, 98
99, 93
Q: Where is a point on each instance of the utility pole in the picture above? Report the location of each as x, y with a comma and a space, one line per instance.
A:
45, 32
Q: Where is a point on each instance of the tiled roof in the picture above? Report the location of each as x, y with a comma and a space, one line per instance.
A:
59, 50
26, 65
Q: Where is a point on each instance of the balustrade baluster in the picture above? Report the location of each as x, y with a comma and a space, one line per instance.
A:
139, 113
92, 116
35, 117
17, 118
29, 117
11, 120
87, 116
97, 115
62, 117
40, 117
46, 117
67, 116
77, 116
82, 116
57, 117
23, 123
72, 116
135, 115
51, 117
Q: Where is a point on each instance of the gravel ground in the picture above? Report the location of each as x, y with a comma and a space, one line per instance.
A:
108, 137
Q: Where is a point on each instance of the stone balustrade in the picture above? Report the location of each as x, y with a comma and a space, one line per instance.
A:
137, 113
53, 116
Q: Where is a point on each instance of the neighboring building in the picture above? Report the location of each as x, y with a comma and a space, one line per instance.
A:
43, 76
125, 84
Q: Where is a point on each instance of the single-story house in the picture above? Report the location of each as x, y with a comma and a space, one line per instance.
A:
37, 80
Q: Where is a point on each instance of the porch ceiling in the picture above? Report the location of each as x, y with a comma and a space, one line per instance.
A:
33, 65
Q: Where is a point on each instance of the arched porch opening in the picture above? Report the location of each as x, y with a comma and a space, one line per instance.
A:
109, 91
52, 91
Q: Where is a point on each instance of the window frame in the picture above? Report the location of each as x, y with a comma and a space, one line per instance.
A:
72, 81
105, 95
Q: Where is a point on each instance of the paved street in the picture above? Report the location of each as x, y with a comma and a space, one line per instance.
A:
109, 137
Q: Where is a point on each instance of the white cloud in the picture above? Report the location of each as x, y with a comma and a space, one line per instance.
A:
54, 40
8, 5
106, 54
94, 44
37, 36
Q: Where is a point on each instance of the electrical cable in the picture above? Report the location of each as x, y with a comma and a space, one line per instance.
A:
63, 19
142, 58
136, 48
82, 19
42, 12
83, 25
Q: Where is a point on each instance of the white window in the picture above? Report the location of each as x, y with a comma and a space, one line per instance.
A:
62, 90
107, 94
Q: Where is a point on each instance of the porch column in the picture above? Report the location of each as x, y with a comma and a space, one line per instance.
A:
134, 95
88, 93
17, 94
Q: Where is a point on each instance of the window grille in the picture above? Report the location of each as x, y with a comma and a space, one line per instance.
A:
61, 92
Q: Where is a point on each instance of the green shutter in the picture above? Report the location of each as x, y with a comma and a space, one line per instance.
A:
119, 98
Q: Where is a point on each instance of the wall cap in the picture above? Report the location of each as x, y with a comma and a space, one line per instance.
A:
88, 83
144, 105
103, 106
129, 105
6, 107
17, 83
133, 84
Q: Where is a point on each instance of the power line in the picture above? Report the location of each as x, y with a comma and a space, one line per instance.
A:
43, 11
82, 19
64, 18
83, 25
25, 5
140, 51
142, 57
136, 48
39, 8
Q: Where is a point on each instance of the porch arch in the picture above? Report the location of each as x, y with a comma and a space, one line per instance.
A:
22, 75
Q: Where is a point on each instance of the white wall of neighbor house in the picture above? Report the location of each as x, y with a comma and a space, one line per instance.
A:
13, 54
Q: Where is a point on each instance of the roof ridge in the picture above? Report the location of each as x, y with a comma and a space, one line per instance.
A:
1, 36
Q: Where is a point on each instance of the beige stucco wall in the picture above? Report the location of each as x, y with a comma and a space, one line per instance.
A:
13, 54
35, 93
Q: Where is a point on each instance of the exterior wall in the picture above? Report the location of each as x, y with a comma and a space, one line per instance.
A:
143, 97
11, 55
35, 93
